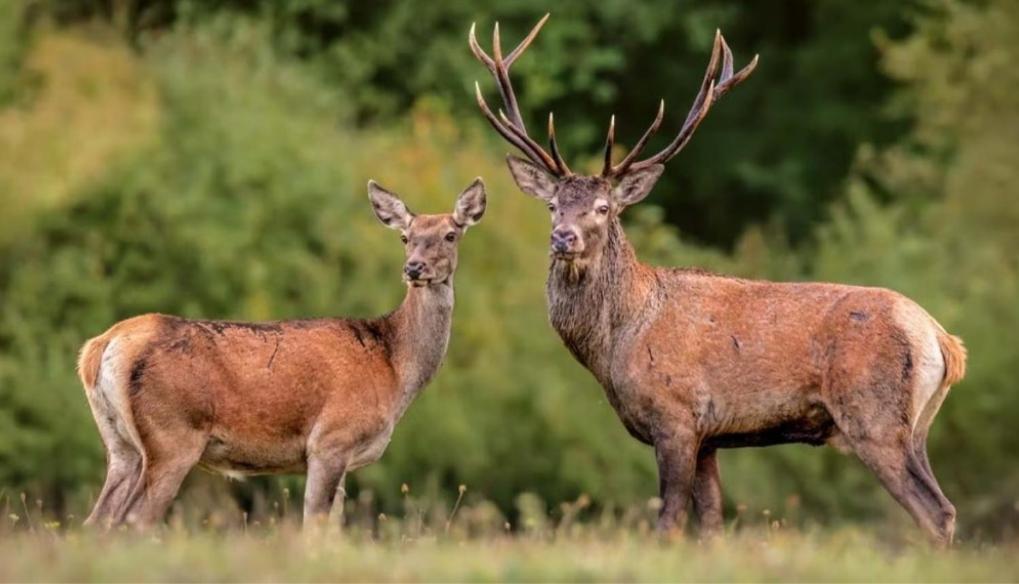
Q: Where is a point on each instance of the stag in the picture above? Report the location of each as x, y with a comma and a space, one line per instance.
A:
693, 361
318, 396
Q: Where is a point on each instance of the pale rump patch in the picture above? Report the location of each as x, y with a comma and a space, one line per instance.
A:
111, 393
928, 364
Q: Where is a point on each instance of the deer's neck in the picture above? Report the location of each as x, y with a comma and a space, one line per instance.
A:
591, 304
420, 334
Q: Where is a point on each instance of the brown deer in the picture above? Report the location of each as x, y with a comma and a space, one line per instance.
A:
693, 361
320, 396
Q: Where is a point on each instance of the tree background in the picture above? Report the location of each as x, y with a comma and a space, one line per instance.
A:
208, 159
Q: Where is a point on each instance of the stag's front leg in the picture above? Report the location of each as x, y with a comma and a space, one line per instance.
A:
676, 453
707, 493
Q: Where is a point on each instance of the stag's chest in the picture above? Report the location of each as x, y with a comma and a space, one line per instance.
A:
609, 351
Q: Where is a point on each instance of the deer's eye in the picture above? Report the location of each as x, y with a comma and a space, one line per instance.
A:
451, 236
603, 209
551, 207
403, 238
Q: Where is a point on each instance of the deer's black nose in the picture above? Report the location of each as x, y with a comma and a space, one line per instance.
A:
413, 269
563, 239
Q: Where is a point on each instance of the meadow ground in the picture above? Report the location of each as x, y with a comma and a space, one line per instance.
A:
581, 553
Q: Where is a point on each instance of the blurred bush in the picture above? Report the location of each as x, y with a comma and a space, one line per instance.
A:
243, 197
817, 91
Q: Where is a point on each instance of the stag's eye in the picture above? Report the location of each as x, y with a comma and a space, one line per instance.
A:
603, 209
451, 236
551, 207
403, 238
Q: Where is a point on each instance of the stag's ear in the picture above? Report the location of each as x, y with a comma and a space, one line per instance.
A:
531, 178
388, 207
636, 185
470, 204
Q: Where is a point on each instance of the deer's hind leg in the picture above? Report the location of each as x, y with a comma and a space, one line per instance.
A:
173, 438
123, 467
123, 460
870, 401
167, 459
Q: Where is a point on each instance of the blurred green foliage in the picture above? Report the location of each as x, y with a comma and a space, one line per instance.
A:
789, 136
245, 199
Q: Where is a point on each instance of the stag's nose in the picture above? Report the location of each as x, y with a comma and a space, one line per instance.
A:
563, 240
414, 269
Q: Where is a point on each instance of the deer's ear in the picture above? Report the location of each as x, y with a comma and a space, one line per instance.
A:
531, 179
470, 204
388, 207
636, 185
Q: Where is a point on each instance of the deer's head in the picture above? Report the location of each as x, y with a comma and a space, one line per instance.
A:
583, 207
430, 241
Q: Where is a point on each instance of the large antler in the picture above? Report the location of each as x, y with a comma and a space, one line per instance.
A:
510, 125
711, 91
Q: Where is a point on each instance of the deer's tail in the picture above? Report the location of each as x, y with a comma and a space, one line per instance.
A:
954, 353
89, 360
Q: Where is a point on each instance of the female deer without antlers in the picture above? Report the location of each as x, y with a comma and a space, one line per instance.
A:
320, 396
693, 361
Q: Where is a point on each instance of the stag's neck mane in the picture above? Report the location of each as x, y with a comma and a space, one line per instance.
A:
590, 303
418, 337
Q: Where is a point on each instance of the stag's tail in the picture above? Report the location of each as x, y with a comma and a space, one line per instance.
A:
89, 360
954, 353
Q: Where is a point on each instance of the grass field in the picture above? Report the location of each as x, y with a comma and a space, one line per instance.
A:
413, 551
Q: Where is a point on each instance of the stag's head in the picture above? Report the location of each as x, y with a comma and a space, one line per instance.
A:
430, 241
583, 207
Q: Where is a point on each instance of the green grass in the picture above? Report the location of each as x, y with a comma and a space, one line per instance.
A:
469, 539
583, 554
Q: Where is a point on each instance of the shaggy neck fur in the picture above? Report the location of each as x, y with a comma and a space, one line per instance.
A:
419, 337
590, 301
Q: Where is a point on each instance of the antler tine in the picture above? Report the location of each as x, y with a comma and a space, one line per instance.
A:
736, 79
693, 120
542, 157
509, 98
505, 132
472, 40
711, 90
511, 124
726, 61
610, 142
709, 75
622, 167
527, 40
553, 147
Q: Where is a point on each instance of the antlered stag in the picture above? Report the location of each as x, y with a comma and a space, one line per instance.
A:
320, 396
693, 361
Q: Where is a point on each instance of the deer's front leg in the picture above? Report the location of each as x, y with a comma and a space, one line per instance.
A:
707, 493
323, 488
676, 453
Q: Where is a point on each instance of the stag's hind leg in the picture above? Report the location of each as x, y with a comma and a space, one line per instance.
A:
874, 417
904, 476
